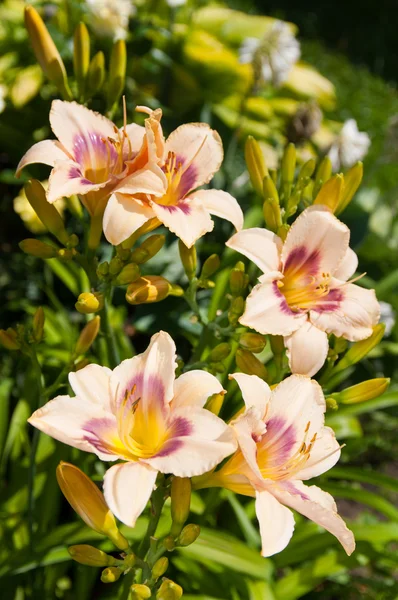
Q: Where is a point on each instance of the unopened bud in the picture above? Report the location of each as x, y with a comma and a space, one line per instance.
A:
148, 289
188, 259
81, 56
255, 342
65, 254
95, 75
38, 324
180, 503
255, 164
169, 591
150, 225
140, 591
73, 241
88, 335
148, 249
288, 169
352, 181
115, 265
272, 214
215, 402
111, 574
359, 350
46, 52
88, 555
236, 310
46, 212
324, 172
88, 303
160, 567
210, 266
331, 192
117, 72
103, 270
367, 390
81, 364
283, 230
89, 503
37, 248
189, 535
128, 274
220, 352
249, 364
8, 339
238, 280
306, 171
169, 543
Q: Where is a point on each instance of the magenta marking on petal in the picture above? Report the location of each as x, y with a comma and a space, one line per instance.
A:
75, 173
154, 390
279, 440
188, 179
182, 206
299, 258
91, 149
282, 300
291, 488
331, 302
97, 432
178, 429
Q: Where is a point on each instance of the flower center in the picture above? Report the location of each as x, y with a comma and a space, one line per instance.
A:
303, 292
173, 169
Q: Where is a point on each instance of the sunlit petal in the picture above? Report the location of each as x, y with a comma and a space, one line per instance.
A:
307, 348
276, 523
221, 204
194, 388
259, 245
123, 216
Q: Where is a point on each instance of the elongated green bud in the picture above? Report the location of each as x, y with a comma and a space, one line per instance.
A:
215, 402
88, 303
271, 207
366, 390
307, 170
331, 192
220, 352
128, 274
46, 212
115, 265
188, 259
160, 567
288, 169
148, 249
139, 591
352, 181
189, 535
210, 266
180, 503
145, 228
359, 350
249, 364
148, 289
117, 72
95, 75
255, 164
254, 342
323, 173
88, 555
111, 574
238, 279
37, 248
236, 310
81, 56
9, 339
38, 324
88, 335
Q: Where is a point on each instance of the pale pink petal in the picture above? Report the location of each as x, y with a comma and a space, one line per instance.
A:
317, 241
199, 149
135, 134
259, 245
150, 180
127, 489
255, 392
194, 389
348, 266
45, 152
202, 442
188, 220
318, 506
79, 128
276, 523
248, 428
92, 384
123, 216
221, 204
324, 455
80, 423
306, 349
66, 179
348, 311
267, 311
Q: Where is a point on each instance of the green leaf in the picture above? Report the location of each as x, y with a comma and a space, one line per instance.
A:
250, 532
364, 476
66, 273
363, 497
344, 426
260, 590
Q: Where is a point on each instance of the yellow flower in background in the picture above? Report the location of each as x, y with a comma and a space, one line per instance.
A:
24, 209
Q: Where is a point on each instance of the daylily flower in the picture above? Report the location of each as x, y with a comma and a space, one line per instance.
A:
350, 146
305, 292
282, 442
141, 414
92, 156
189, 158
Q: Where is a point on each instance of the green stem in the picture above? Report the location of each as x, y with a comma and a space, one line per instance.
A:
51, 389
107, 331
157, 501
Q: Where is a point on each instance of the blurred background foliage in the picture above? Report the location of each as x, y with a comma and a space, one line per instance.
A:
186, 60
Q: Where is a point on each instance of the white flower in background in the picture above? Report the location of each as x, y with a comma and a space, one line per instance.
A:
349, 147
176, 3
274, 55
3, 93
110, 18
387, 316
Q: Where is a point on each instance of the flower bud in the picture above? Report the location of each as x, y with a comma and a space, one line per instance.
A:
95, 75
255, 164
145, 228
117, 72
236, 310
214, 403
238, 279
46, 52
88, 303
160, 567
169, 543
88, 555
46, 212
331, 192
366, 390
87, 336
81, 364
115, 265
283, 230
188, 259
323, 173
249, 364
359, 350
38, 324
111, 574
271, 208
81, 56
148, 249
140, 591
148, 289
288, 168
180, 503
255, 342
189, 535
220, 352
8, 339
306, 171
210, 266
89, 503
37, 248
169, 591
103, 270
352, 181
128, 274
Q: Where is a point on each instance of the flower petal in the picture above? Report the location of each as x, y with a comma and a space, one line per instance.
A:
247, 427
348, 266
188, 220
150, 180
259, 245
306, 349
45, 152
221, 204
92, 384
194, 388
127, 489
352, 316
207, 440
66, 179
317, 505
198, 148
255, 392
276, 523
123, 216
324, 455
318, 238
267, 311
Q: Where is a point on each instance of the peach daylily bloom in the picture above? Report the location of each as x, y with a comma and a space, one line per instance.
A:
139, 413
305, 292
189, 158
91, 157
282, 442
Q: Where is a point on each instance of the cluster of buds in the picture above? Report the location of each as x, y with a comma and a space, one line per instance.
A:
89, 73
189, 261
238, 282
23, 338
